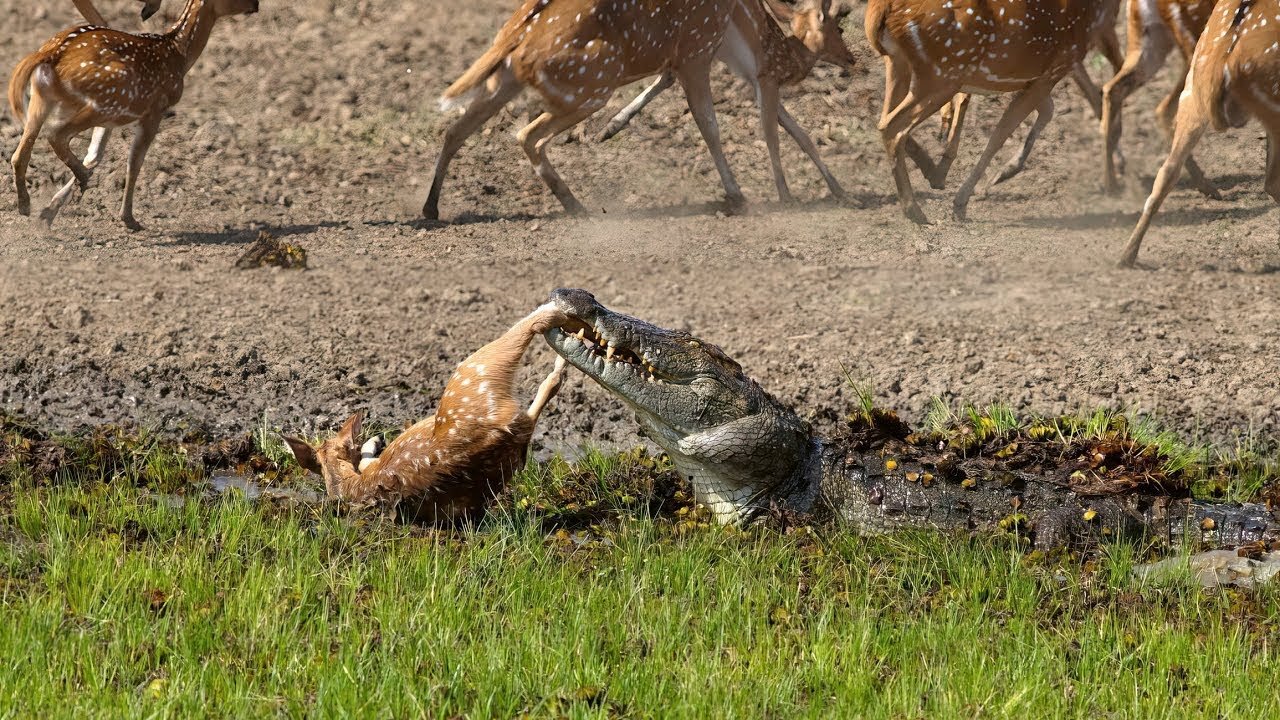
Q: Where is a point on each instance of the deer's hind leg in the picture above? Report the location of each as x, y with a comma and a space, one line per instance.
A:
91, 159
37, 112
534, 138
477, 114
60, 140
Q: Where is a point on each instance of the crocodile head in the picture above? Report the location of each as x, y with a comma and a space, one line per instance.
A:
735, 443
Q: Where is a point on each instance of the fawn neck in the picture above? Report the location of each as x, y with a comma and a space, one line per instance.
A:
190, 33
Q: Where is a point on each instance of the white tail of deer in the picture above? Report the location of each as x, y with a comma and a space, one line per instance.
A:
1233, 75
1154, 28
448, 466
576, 53
92, 76
935, 49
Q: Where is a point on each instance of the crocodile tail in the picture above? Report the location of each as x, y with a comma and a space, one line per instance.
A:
1210, 73
18, 82
508, 38
877, 17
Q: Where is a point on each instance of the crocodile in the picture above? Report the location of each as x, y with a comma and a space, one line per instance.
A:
748, 456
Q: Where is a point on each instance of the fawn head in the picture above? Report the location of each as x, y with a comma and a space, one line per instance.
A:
330, 458
814, 24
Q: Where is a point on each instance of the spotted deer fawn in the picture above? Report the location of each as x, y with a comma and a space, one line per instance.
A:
935, 49
97, 77
576, 53
1154, 28
446, 467
100, 134
785, 60
1234, 73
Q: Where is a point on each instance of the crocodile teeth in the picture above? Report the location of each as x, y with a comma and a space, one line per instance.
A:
608, 353
581, 334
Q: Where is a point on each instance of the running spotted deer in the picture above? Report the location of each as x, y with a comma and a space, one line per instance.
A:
576, 53
936, 49
100, 134
447, 467
1154, 28
93, 76
1234, 73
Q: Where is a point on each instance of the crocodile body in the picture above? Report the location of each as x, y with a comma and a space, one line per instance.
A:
747, 454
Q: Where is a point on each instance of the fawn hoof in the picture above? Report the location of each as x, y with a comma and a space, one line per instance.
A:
1211, 192
131, 224
936, 181
915, 214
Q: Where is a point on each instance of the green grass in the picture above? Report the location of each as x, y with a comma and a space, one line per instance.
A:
592, 591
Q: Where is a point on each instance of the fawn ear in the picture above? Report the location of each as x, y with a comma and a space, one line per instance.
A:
302, 452
351, 428
780, 10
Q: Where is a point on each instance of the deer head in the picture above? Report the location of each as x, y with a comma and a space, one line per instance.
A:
332, 459
815, 25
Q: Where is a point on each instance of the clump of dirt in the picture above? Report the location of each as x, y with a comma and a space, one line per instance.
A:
269, 250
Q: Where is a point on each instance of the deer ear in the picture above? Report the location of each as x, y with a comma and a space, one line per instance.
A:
780, 10
351, 428
302, 452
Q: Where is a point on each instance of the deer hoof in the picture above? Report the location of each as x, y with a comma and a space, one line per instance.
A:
24, 205
131, 224
915, 214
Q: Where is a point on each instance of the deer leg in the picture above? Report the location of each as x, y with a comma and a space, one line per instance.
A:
806, 144
895, 129
1188, 129
37, 111
897, 81
767, 97
1044, 114
143, 136
91, 160
1166, 111
1025, 101
534, 138
547, 390
1088, 88
60, 141
959, 107
476, 115
628, 113
697, 90
1146, 55
1273, 161
1109, 45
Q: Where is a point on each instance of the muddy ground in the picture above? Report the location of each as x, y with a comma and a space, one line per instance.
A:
318, 121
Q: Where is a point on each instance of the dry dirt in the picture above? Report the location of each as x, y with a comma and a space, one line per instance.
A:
318, 121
